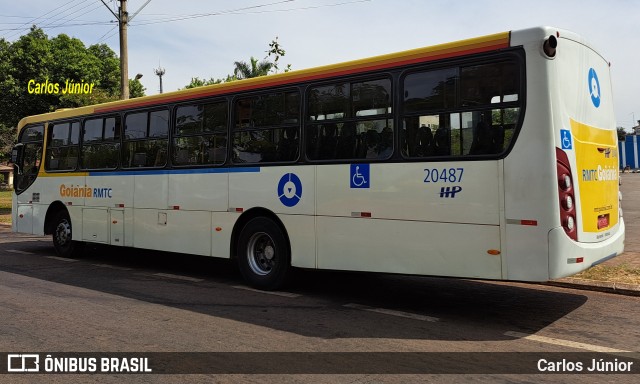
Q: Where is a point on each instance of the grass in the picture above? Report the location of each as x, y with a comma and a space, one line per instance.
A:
622, 273
5, 206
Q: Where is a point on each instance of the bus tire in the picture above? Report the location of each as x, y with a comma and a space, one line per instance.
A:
62, 236
263, 254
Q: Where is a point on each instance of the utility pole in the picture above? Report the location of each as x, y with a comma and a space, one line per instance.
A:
160, 72
124, 55
123, 20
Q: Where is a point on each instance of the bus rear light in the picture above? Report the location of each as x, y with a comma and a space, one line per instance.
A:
176, 207
575, 260
566, 195
568, 203
570, 223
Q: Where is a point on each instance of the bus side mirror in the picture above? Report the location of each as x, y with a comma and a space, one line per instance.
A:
17, 157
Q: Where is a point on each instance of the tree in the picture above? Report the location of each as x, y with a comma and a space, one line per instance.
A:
246, 71
6, 140
109, 68
36, 59
27, 58
198, 82
136, 89
277, 51
622, 134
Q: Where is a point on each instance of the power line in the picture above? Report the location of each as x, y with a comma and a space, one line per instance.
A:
64, 22
107, 33
63, 25
37, 18
198, 15
89, 11
57, 17
45, 18
300, 8
58, 20
239, 11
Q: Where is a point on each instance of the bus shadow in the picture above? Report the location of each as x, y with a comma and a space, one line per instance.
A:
322, 304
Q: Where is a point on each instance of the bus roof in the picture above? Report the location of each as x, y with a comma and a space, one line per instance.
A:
436, 52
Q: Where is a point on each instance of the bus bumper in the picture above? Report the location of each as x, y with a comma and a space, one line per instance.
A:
568, 257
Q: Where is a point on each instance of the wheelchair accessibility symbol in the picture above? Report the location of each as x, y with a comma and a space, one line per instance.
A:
290, 190
359, 176
566, 139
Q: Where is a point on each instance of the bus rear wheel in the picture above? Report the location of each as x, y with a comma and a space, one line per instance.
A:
62, 236
263, 254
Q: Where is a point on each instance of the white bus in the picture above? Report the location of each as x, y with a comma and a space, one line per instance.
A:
491, 158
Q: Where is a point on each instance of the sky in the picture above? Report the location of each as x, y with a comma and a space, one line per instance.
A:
196, 38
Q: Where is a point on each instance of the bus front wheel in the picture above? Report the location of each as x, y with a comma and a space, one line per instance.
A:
63, 236
263, 254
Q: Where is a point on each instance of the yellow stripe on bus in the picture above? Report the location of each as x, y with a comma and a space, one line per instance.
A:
62, 174
591, 135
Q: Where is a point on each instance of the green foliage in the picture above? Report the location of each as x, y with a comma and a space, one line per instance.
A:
198, 82
253, 68
6, 140
36, 57
277, 51
136, 89
622, 134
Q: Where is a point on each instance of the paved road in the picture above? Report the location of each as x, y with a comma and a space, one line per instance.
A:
630, 189
134, 301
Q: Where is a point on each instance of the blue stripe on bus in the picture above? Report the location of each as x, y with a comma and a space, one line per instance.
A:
176, 171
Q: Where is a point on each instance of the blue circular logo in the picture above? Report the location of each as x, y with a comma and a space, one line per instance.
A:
290, 190
594, 87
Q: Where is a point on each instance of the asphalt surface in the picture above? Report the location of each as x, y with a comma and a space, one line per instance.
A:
327, 327
152, 302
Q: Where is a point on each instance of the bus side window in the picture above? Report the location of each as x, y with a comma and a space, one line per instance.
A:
349, 121
200, 136
100, 143
266, 128
492, 90
62, 146
146, 139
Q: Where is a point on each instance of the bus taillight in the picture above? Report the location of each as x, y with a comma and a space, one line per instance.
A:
566, 195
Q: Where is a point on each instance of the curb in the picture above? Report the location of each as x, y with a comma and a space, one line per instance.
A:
596, 285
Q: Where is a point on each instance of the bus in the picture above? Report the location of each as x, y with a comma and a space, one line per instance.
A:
491, 158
